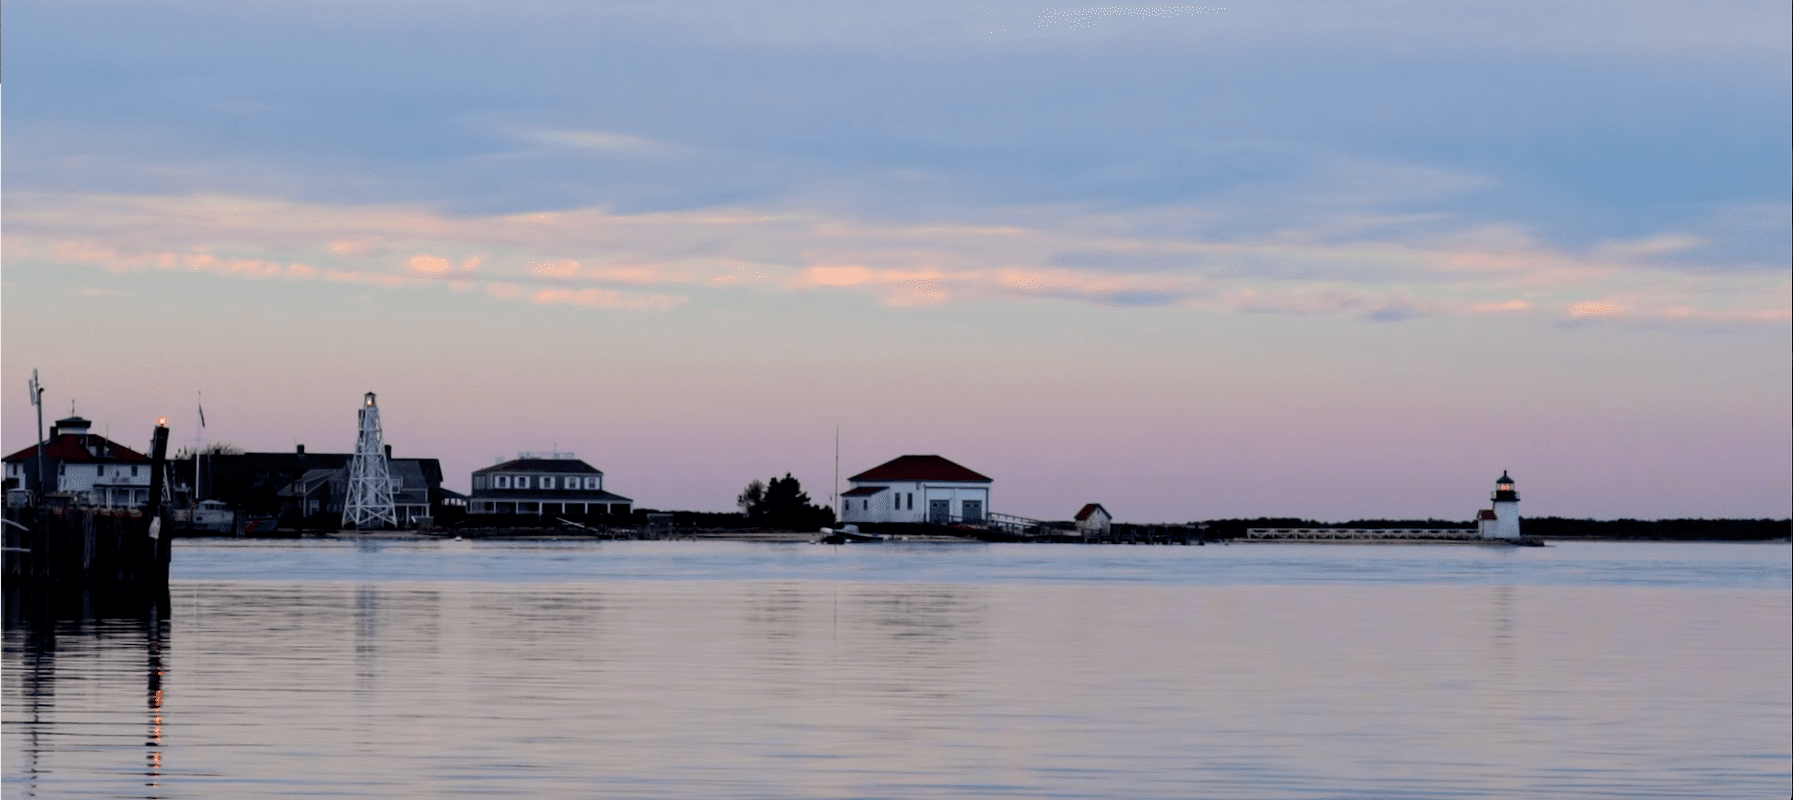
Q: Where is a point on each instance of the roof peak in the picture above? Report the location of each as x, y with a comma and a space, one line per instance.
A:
920, 468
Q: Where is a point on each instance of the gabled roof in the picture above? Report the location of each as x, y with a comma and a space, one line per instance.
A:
919, 468
83, 448
556, 465
863, 491
1091, 508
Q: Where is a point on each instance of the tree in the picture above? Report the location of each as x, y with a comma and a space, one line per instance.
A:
211, 449
752, 500
782, 503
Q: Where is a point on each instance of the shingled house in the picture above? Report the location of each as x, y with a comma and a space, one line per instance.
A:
555, 486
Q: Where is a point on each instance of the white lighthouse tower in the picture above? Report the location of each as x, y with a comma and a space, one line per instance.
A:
369, 502
1501, 521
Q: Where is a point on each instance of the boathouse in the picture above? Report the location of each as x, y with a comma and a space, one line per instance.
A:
916, 489
551, 484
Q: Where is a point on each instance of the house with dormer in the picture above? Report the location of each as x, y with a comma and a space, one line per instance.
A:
88, 467
554, 485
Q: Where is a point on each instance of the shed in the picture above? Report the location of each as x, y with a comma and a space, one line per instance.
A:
1093, 519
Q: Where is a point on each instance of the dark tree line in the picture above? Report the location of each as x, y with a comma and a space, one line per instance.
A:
781, 503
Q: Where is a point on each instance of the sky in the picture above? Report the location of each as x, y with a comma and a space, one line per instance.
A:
1332, 260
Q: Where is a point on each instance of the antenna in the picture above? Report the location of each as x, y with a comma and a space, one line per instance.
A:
37, 399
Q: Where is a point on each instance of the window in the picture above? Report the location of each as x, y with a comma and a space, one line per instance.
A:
133, 472
504, 481
100, 470
479, 481
521, 481
594, 482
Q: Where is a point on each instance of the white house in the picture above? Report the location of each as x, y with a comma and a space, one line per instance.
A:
916, 489
1501, 521
1093, 520
532, 484
92, 468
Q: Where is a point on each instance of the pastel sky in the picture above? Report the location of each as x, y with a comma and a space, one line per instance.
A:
1301, 258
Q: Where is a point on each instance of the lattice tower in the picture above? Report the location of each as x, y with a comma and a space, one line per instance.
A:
369, 504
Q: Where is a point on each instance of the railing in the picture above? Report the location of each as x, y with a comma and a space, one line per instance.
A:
1009, 523
1272, 534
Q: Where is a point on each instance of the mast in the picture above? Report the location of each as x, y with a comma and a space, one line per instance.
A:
198, 445
836, 493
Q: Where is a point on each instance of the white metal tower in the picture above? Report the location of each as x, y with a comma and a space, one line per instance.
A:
370, 481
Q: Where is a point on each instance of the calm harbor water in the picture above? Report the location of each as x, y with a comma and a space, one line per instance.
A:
418, 668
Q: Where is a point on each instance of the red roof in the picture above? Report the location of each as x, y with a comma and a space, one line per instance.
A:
863, 491
919, 468
1487, 513
83, 448
1089, 509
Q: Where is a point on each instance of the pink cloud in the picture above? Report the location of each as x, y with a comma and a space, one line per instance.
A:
429, 263
1491, 269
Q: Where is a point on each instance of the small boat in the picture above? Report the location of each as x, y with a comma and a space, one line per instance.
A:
212, 516
848, 535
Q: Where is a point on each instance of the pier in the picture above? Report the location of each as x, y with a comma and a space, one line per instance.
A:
53, 544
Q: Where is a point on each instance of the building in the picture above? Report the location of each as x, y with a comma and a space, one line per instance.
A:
916, 489
88, 467
1093, 520
555, 485
1502, 520
324, 490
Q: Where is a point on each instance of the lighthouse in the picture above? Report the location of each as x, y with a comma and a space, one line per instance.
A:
1501, 521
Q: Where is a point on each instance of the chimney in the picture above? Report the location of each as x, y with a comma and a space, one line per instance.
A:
388, 452
301, 449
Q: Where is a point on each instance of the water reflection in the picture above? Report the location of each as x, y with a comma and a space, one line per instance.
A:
102, 645
776, 688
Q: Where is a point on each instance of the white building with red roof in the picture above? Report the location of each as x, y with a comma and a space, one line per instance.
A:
916, 489
92, 468
1093, 520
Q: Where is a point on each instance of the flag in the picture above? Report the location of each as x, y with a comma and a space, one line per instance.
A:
202, 414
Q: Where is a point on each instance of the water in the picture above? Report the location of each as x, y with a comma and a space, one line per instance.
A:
730, 670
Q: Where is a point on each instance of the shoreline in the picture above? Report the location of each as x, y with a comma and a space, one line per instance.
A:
802, 537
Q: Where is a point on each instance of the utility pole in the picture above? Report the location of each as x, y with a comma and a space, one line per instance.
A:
37, 399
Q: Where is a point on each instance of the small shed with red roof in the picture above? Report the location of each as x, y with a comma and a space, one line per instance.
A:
916, 489
1093, 519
